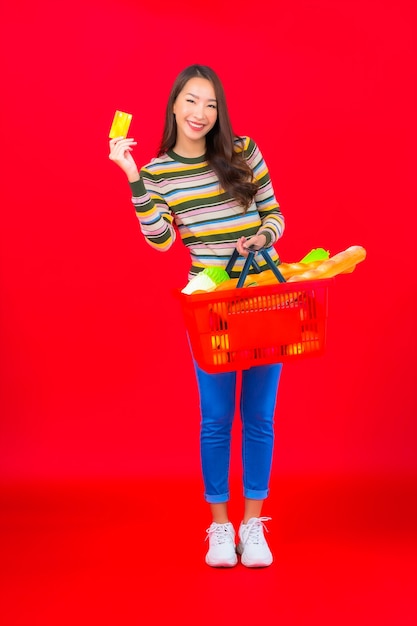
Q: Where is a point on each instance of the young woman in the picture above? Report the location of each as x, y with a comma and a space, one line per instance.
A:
214, 189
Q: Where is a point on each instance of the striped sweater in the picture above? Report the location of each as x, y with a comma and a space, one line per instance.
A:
178, 194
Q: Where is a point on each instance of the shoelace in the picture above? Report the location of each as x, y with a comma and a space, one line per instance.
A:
252, 531
222, 534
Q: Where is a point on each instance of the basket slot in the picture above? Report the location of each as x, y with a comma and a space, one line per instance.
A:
265, 328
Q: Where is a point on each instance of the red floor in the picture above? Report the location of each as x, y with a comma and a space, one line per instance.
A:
122, 554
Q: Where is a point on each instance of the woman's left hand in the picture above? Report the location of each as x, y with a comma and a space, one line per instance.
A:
245, 245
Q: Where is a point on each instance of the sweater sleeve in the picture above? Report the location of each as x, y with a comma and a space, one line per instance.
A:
273, 222
155, 217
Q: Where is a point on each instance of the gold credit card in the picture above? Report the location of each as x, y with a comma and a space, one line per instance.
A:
120, 125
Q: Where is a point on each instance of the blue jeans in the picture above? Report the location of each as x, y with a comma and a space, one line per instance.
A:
257, 407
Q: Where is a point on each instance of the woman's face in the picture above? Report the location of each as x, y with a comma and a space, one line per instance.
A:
195, 111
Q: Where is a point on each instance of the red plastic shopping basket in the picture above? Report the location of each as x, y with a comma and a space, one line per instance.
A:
239, 328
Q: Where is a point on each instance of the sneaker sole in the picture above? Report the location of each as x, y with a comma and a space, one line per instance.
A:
222, 564
256, 565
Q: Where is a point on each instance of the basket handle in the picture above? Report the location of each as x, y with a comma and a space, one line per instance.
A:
250, 260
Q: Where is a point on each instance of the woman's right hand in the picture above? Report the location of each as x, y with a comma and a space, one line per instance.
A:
121, 153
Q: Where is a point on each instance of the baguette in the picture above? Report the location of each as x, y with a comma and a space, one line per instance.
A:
267, 277
343, 262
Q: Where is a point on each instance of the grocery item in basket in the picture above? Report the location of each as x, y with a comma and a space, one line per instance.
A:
232, 282
310, 261
206, 280
267, 277
340, 263
316, 254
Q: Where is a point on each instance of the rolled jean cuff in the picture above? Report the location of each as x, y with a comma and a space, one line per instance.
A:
217, 499
256, 495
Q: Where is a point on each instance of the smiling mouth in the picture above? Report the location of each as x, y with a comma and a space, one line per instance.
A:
195, 126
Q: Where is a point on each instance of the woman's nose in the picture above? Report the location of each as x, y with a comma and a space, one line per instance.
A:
199, 111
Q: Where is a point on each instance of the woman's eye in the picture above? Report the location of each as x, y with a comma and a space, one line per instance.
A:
189, 100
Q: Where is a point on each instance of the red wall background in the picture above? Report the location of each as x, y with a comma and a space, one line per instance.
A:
96, 378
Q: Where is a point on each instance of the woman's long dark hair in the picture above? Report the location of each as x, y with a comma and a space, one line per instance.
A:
234, 174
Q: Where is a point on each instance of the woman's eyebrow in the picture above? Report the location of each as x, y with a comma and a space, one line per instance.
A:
197, 97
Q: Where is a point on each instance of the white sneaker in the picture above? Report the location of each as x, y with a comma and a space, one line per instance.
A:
222, 550
252, 545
